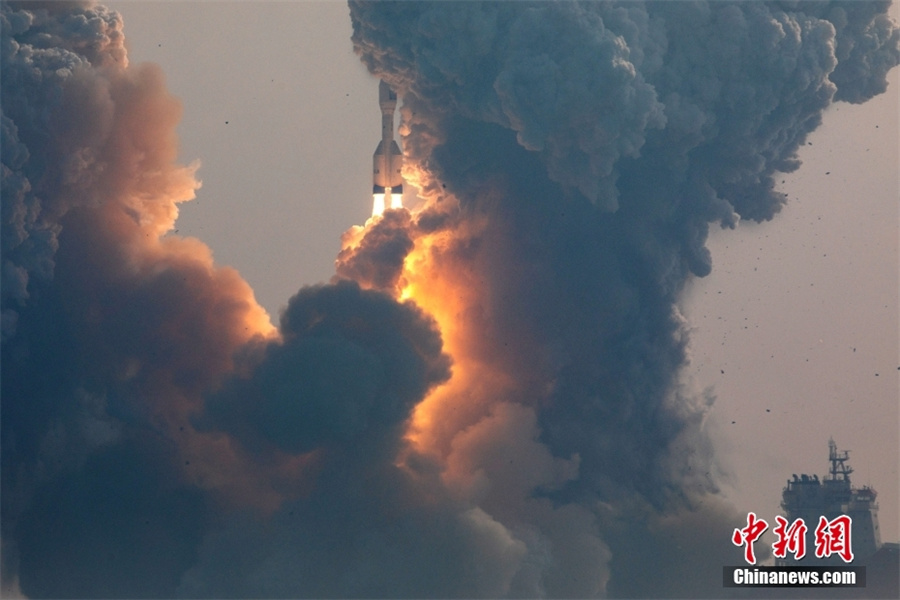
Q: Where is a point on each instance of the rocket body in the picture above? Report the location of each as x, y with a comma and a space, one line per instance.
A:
387, 181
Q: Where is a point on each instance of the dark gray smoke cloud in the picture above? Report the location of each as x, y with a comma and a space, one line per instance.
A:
598, 141
349, 369
160, 439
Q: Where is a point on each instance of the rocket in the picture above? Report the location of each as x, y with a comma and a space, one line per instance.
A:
387, 182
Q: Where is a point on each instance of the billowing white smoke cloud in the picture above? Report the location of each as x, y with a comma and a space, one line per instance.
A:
515, 426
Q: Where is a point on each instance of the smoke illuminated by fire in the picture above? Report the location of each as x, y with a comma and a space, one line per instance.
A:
448, 292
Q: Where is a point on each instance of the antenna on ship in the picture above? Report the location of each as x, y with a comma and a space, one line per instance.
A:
840, 471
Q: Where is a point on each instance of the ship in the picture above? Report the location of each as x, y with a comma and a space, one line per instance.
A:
806, 497
809, 498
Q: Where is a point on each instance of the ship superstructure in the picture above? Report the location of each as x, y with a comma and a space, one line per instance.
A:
806, 497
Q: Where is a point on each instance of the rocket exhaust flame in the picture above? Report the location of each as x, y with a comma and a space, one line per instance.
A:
377, 204
378, 201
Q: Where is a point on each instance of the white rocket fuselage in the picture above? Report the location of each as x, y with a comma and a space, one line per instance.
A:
387, 180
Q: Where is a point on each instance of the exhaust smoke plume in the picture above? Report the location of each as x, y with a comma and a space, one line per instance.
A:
487, 401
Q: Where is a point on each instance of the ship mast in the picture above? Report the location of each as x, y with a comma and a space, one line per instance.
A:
840, 471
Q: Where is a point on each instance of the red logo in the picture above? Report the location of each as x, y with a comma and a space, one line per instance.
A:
833, 537
748, 535
790, 539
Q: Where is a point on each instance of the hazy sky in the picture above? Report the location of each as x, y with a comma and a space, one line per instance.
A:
796, 328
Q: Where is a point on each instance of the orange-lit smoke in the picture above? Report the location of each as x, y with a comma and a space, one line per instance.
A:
437, 277
154, 310
480, 428
206, 312
450, 294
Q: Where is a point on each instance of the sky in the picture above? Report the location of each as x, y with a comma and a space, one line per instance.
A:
283, 118
792, 337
